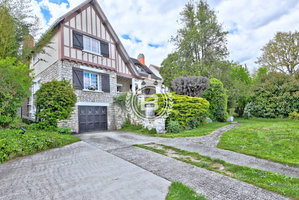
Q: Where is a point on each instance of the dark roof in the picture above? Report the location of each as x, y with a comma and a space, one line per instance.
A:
145, 68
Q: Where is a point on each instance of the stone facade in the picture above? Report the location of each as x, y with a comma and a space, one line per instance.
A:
63, 70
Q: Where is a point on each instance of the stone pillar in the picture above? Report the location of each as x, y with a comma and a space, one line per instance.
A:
149, 110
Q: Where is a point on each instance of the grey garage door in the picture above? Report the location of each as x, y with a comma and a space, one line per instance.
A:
92, 118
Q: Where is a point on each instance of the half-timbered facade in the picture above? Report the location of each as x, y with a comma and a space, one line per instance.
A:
86, 50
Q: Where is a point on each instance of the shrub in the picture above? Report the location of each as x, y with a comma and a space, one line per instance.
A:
192, 86
173, 127
275, 96
14, 144
15, 84
54, 101
185, 108
294, 115
217, 97
121, 100
64, 130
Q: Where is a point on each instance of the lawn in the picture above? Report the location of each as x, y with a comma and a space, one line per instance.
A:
15, 144
288, 186
178, 191
203, 130
272, 139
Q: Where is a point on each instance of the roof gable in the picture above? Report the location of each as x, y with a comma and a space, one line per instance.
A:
96, 7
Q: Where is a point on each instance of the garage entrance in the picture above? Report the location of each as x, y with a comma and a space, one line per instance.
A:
92, 118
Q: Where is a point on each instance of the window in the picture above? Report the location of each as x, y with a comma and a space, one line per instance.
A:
35, 58
91, 81
91, 45
36, 87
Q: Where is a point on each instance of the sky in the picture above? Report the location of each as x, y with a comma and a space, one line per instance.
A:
146, 26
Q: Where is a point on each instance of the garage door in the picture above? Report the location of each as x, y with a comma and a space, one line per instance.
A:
92, 118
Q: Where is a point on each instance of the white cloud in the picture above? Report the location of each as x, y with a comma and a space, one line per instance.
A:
254, 23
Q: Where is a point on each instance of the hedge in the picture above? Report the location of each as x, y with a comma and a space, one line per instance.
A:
186, 110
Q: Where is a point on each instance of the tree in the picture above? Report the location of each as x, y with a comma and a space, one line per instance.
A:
281, 54
54, 101
15, 83
192, 86
200, 43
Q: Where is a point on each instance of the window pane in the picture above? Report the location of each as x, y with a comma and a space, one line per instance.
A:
86, 80
86, 43
95, 46
94, 81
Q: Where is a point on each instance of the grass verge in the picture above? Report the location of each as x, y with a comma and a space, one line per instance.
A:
203, 130
178, 191
288, 186
13, 144
272, 139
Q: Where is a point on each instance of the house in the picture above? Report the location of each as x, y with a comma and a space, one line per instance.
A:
86, 50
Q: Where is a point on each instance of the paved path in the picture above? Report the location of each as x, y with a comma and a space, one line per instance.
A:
114, 140
78, 171
212, 185
213, 138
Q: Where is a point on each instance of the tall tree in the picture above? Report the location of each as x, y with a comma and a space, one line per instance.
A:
200, 43
282, 53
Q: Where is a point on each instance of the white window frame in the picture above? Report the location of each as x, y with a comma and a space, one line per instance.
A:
98, 80
91, 40
36, 58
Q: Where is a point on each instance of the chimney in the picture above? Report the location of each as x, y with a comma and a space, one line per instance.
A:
141, 58
28, 41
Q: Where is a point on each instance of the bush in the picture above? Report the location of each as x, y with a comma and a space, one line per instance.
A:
64, 130
121, 100
217, 97
294, 115
54, 101
275, 96
173, 127
185, 109
192, 86
15, 84
14, 144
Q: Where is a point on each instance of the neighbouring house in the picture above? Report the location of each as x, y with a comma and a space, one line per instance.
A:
86, 50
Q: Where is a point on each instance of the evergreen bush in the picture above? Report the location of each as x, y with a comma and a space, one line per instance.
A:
275, 96
54, 101
185, 109
217, 97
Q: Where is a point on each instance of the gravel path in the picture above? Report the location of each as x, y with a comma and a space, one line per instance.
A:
212, 185
78, 171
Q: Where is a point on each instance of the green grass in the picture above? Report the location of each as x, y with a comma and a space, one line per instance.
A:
203, 130
288, 186
272, 139
13, 144
178, 191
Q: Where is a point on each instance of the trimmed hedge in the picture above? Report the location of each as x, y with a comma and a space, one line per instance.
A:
185, 109
217, 97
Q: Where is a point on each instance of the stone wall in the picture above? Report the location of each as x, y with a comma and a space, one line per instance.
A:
89, 96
